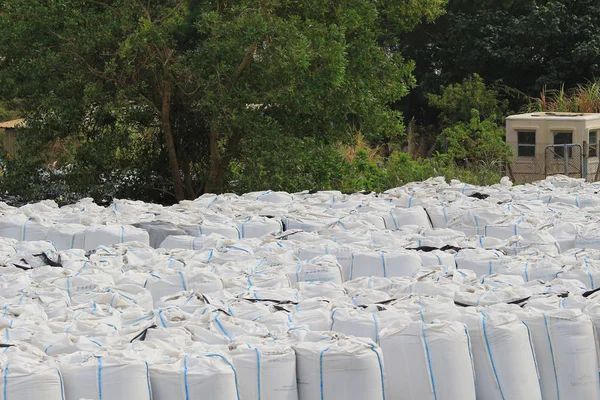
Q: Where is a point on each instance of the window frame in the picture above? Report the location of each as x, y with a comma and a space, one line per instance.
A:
559, 151
593, 145
521, 145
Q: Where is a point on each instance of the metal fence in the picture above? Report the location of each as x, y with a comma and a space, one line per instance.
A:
544, 159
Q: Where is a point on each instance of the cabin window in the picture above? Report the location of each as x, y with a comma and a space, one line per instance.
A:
562, 138
593, 144
526, 143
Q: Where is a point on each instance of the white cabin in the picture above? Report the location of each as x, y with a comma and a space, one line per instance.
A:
547, 143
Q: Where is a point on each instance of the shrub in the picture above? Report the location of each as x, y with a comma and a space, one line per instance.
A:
476, 141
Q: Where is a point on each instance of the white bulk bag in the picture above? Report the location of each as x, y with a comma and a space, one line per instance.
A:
165, 283
587, 273
384, 264
23, 228
55, 344
588, 238
315, 319
429, 309
436, 257
12, 285
242, 282
339, 369
473, 220
360, 297
182, 242
266, 372
481, 261
229, 230
539, 242
276, 321
425, 287
257, 227
428, 361
506, 231
158, 231
399, 217
270, 196
126, 295
28, 377
248, 310
375, 220
503, 281
307, 223
502, 354
67, 236
343, 254
211, 376
592, 310
189, 301
362, 323
565, 349
309, 290
78, 284
484, 295
203, 335
545, 269
398, 284
441, 216
320, 269
235, 328
107, 235
566, 233
116, 376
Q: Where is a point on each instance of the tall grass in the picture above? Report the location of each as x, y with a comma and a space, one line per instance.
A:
584, 98
359, 143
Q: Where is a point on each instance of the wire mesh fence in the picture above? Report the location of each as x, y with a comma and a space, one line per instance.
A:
534, 162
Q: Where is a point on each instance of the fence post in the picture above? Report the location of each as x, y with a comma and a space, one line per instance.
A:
566, 150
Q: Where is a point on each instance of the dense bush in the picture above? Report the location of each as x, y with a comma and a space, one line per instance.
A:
280, 162
456, 102
475, 141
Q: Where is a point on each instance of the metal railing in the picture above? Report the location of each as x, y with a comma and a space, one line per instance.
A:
551, 159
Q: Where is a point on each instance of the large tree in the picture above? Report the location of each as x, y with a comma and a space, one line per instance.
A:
194, 79
523, 44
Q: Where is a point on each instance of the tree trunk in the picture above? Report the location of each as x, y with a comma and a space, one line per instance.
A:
219, 163
190, 193
216, 180
166, 129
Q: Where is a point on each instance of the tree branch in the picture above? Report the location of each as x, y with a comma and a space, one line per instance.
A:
145, 9
246, 61
106, 5
169, 15
92, 70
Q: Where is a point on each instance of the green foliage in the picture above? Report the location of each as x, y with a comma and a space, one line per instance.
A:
519, 46
364, 173
9, 110
181, 90
525, 43
476, 141
280, 162
304, 165
458, 100
401, 169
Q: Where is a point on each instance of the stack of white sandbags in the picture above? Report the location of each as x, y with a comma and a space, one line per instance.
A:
430, 291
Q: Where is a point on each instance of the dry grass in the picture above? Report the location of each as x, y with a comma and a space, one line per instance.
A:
349, 152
